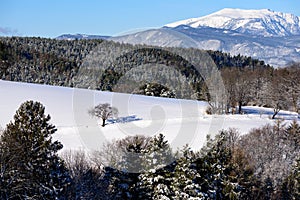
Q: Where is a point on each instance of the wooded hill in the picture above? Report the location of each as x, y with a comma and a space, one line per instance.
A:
106, 65
57, 62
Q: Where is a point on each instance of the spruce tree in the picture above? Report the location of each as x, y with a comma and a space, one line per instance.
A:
292, 183
158, 164
293, 133
183, 185
214, 167
33, 167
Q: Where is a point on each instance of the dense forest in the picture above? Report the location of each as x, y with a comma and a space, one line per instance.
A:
106, 65
99, 64
263, 164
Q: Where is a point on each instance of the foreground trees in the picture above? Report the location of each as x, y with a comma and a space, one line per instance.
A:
263, 164
30, 166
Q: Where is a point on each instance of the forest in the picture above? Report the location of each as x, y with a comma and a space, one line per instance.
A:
105, 65
263, 164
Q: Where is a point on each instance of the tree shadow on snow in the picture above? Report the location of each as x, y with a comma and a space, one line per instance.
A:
126, 119
286, 116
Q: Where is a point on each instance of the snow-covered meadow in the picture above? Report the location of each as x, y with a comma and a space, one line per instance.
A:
181, 121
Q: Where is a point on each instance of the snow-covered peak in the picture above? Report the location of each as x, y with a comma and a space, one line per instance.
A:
257, 22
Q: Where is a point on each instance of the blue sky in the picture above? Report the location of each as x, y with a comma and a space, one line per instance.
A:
50, 18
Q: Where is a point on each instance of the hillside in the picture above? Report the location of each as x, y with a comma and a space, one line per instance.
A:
90, 63
181, 121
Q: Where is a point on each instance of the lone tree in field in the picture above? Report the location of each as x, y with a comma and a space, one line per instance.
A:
103, 111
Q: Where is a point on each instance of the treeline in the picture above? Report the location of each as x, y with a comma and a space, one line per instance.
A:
182, 73
41, 60
275, 88
99, 64
263, 164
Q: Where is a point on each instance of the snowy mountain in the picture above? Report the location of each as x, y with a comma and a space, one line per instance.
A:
80, 36
181, 121
263, 34
276, 51
256, 22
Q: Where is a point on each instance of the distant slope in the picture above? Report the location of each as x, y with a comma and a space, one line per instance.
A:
81, 36
276, 51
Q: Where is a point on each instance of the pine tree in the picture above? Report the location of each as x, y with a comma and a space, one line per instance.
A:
214, 167
158, 164
122, 176
293, 133
183, 185
34, 168
292, 183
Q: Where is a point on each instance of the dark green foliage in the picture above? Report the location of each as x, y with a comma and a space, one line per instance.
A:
185, 176
293, 133
32, 168
124, 161
155, 89
44, 61
108, 80
130, 159
291, 185
226, 60
214, 167
67, 63
225, 168
156, 180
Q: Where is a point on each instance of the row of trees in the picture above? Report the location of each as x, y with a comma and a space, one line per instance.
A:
106, 65
99, 64
263, 164
275, 88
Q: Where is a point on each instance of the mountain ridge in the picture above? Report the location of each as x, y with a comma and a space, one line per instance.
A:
264, 22
81, 36
276, 41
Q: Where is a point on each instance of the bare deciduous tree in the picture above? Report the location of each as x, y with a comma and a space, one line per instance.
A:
103, 111
277, 94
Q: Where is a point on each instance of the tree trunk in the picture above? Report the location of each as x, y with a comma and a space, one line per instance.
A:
275, 113
240, 107
103, 122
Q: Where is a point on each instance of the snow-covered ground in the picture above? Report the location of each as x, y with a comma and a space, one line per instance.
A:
181, 121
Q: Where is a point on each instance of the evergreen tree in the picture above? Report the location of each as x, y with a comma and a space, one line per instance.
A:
291, 187
293, 133
122, 175
268, 188
214, 167
184, 176
158, 164
33, 167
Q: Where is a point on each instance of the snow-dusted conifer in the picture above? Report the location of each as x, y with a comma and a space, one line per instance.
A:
33, 168
183, 185
214, 168
155, 182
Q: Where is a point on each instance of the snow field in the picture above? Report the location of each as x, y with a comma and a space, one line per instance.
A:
181, 121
